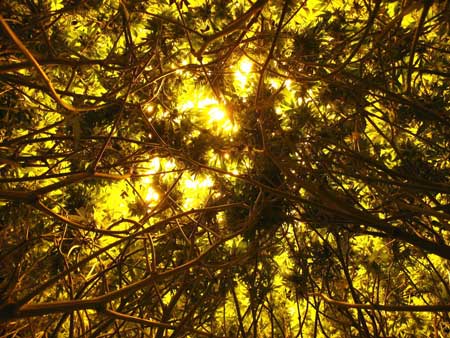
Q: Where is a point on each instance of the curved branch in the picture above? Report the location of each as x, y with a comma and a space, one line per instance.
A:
39, 69
412, 52
381, 307
233, 26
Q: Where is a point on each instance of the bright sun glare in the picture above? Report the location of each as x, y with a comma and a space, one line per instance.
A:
212, 108
216, 114
245, 66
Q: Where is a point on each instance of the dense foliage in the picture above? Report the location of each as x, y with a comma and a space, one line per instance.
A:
215, 168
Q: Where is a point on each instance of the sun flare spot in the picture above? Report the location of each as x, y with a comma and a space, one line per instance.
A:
211, 112
216, 114
245, 66
152, 196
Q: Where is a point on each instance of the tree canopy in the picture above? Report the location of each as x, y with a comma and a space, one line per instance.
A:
224, 168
